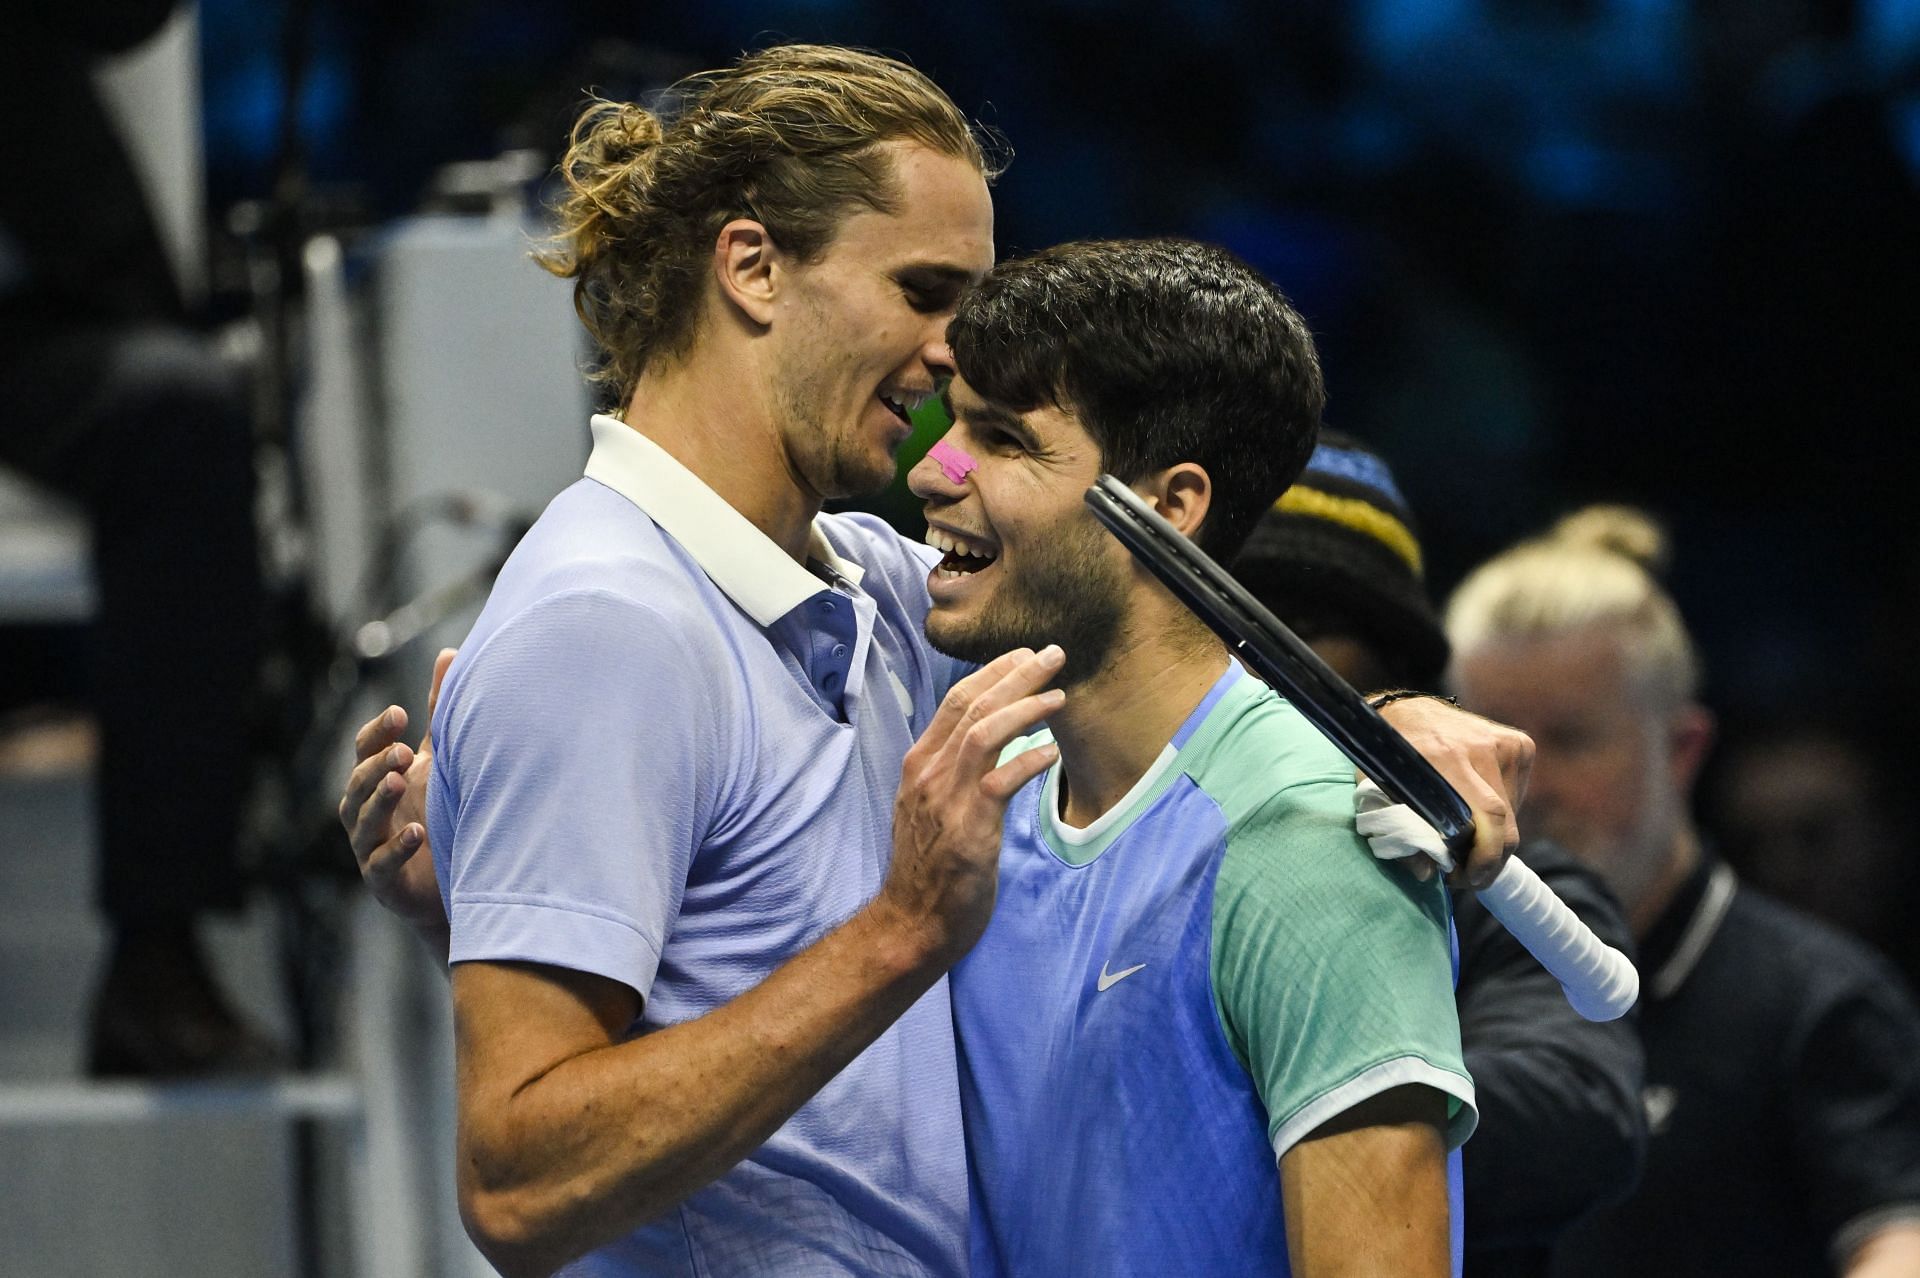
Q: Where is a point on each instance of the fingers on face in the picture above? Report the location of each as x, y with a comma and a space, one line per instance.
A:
959, 699
1012, 705
976, 685
1022, 679
988, 735
1005, 679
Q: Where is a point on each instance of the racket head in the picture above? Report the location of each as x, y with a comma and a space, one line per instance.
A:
1279, 656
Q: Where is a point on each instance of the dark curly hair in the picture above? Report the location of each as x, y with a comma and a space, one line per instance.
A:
1168, 351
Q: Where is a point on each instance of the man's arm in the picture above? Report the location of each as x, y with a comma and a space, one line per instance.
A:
384, 817
1366, 1193
1332, 977
572, 1135
1562, 1128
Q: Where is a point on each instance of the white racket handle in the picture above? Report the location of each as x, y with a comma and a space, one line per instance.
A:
1601, 983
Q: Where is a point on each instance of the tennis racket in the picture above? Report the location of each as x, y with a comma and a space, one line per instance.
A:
1600, 982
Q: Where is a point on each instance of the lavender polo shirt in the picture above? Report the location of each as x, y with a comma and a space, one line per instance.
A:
667, 755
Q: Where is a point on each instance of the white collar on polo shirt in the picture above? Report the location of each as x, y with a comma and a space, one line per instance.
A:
743, 561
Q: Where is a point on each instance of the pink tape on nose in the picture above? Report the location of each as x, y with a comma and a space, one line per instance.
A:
954, 463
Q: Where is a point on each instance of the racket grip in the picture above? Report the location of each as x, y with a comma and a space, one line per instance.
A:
1601, 983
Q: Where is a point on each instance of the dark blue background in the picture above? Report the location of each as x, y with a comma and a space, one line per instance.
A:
1554, 250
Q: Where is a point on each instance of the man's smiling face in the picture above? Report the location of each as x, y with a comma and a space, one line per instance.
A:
866, 340
1026, 564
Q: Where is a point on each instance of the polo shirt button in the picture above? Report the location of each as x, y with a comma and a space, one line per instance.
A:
839, 650
826, 605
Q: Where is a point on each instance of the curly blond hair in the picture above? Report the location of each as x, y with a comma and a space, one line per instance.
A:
788, 136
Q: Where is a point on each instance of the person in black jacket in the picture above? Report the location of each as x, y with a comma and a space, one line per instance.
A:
1561, 1129
1783, 1058
107, 395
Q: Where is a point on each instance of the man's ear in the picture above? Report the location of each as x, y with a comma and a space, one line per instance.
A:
1182, 494
1691, 733
749, 268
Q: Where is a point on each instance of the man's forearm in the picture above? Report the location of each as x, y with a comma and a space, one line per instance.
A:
570, 1136
603, 1140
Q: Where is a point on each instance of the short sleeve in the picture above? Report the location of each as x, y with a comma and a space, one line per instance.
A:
1856, 1105
577, 755
1332, 971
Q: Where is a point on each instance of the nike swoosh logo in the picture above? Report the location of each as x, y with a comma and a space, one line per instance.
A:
1109, 979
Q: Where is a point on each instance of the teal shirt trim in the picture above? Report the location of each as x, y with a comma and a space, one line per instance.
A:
1331, 970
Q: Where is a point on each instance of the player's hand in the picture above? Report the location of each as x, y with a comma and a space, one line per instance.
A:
953, 798
384, 812
1487, 762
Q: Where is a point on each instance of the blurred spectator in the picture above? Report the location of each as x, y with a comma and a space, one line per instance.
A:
1783, 1106
108, 396
1802, 812
1339, 560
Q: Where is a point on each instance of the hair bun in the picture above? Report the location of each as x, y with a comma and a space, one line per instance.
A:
787, 136
609, 140
1618, 530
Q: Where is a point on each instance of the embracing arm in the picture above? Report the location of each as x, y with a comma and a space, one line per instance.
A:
572, 1135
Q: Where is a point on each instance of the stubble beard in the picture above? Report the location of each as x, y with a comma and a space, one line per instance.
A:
833, 460
1072, 595
1632, 861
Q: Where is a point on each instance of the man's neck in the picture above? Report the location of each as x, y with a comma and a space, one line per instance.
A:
1682, 859
719, 425
1115, 725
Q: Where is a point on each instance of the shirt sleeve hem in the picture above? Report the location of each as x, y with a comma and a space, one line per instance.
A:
1398, 1072
495, 931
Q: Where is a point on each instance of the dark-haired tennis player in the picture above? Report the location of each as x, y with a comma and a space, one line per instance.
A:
1204, 1032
